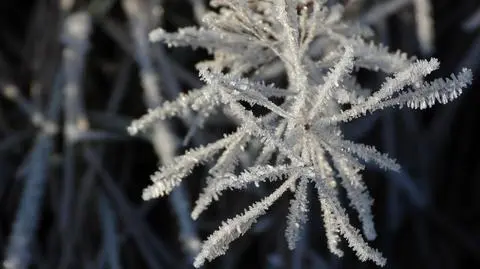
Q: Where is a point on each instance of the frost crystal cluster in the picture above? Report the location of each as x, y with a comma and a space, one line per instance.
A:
302, 144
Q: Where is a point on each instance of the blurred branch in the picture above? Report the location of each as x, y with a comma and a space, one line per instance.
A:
18, 251
163, 139
75, 36
12, 93
382, 10
473, 22
110, 234
199, 9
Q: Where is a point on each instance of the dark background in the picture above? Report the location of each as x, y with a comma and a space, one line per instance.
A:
93, 217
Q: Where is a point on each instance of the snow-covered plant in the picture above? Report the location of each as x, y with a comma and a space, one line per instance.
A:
320, 53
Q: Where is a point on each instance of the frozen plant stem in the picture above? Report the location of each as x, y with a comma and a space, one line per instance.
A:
321, 55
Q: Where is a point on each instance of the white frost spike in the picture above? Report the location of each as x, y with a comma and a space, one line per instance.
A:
298, 211
408, 76
254, 175
393, 85
228, 160
358, 195
440, 90
368, 154
171, 175
337, 222
332, 81
195, 100
217, 243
